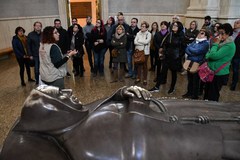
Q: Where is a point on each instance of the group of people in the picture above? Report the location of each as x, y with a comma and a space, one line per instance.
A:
168, 45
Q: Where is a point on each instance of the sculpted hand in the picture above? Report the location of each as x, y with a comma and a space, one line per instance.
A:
135, 91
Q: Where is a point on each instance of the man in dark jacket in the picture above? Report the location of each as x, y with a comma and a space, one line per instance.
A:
33, 41
63, 42
236, 58
131, 34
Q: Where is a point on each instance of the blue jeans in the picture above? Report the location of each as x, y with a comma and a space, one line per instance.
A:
99, 60
130, 63
235, 68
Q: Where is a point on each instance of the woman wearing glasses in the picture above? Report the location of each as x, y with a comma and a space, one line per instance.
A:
221, 54
195, 53
52, 62
142, 42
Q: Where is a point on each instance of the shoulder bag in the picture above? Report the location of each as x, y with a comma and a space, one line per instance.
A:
206, 74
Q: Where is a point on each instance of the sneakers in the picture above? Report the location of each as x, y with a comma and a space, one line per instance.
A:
171, 91
154, 89
31, 80
187, 95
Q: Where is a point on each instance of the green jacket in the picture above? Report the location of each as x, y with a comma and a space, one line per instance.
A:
218, 56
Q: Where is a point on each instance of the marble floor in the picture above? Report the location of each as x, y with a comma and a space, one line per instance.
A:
87, 89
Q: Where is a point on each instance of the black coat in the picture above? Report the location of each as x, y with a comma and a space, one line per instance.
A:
95, 35
33, 42
131, 34
63, 42
237, 43
190, 36
79, 41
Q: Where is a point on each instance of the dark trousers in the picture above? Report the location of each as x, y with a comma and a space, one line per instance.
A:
193, 84
89, 53
36, 69
24, 62
212, 89
99, 60
235, 68
110, 59
78, 65
165, 66
162, 70
152, 58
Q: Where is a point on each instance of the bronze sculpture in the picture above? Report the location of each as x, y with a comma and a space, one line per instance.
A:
130, 124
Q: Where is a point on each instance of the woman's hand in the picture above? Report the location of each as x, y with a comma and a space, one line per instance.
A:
72, 52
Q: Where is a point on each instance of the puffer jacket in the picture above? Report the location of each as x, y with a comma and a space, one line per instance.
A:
142, 41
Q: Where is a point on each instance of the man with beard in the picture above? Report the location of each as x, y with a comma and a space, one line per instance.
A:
33, 42
87, 36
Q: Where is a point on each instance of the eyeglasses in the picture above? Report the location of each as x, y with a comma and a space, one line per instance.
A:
222, 33
98, 22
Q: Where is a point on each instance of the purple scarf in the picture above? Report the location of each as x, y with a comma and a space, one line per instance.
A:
163, 32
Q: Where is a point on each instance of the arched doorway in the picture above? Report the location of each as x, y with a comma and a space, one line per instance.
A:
80, 9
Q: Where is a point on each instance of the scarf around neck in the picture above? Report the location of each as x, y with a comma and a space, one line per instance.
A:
163, 32
118, 36
23, 40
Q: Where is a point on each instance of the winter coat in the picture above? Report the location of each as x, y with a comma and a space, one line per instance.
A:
218, 56
142, 41
120, 45
197, 51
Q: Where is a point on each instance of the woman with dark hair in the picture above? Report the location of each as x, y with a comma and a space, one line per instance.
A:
173, 46
99, 36
154, 30
110, 22
19, 44
52, 62
215, 34
158, 42
76, 43
220, 56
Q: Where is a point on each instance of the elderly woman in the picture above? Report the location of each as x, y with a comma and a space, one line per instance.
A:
19, 44
52, 63
142, 42
119, 42
221, 54
196, 52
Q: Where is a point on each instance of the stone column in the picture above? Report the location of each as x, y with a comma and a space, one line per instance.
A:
229, 11
197, 10
104, 10
62, 8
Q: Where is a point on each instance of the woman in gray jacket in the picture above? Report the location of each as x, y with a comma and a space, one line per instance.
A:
119, 42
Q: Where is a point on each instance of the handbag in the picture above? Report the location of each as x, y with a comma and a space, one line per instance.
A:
115, 53
30, 61
139, 56
206, 74
191, 66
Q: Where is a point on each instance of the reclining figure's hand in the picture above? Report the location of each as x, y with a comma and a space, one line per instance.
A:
135, 91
